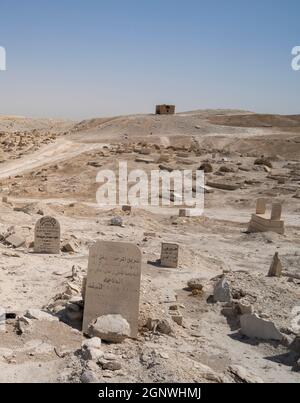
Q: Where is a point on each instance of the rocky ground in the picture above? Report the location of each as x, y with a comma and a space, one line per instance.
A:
49, 168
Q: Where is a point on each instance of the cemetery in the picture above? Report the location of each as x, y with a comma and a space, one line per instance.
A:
121, 294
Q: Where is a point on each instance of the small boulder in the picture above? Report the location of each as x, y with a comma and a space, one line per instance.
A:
206, 167
89, 377
110, 328
263, 161
116, 222
112, 366
95, 342
196, 284
68, 247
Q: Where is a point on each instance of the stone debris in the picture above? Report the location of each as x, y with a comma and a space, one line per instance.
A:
254, 327
243, 375
68, 247
263, 161
223, 186
206, 167
38, 314
15, 241
112, 366
117, 222
163, 326
110, 328
89, 376
177, 317
196, 284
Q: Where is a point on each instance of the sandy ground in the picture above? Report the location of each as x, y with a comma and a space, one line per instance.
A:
58, 178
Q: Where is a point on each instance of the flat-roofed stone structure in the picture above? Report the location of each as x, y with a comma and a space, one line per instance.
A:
165, 109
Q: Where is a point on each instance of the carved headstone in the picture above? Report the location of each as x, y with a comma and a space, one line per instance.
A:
113, 283
169, 255
47, 236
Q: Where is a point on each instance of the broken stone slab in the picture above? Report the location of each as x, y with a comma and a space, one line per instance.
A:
276, 267
166, 168
145, 160
15, 241
38, 314
95, 164
68, 247
223, 186
110, 328
222, 291
177, 317
254, 327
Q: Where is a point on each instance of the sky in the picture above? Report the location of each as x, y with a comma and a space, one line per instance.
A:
80, 59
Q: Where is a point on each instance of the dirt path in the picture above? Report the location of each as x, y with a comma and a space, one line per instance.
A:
58, 151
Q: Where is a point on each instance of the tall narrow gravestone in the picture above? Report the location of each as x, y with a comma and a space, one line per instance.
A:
113, 283
47, 236
169, 255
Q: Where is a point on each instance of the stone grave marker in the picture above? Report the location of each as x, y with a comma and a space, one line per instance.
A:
261, 206
113, 283
47, 236
169, 255
276, 212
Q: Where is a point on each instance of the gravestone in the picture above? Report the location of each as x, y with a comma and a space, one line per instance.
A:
276, 212
169, 255
261, 206
113, 283
47, 236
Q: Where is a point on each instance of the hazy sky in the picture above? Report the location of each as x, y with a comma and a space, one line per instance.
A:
87, 58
